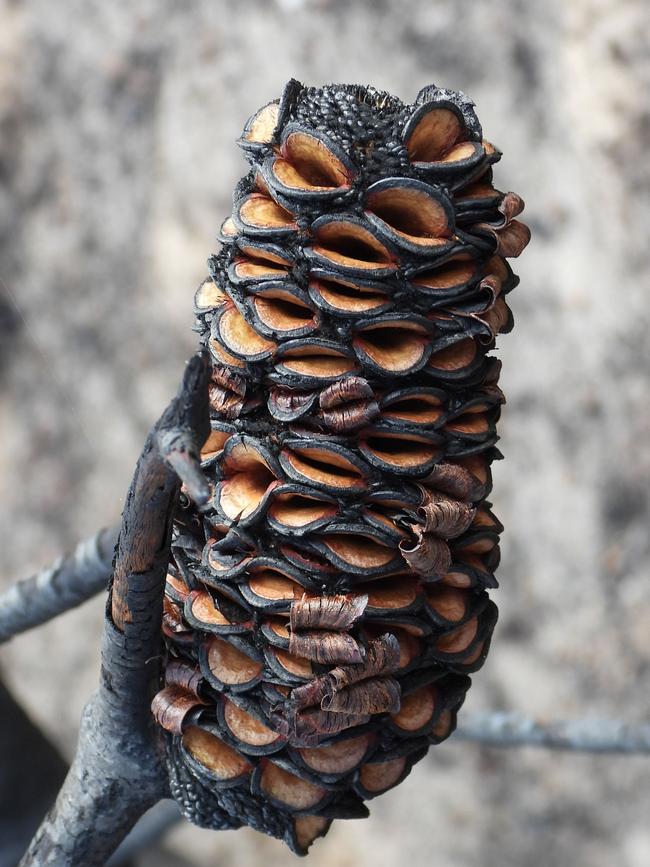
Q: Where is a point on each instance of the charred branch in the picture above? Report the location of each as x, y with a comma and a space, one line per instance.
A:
73, 579
116, 774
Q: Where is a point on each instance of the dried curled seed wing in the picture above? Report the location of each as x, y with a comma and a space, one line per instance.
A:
511, 205
511, 238
325, 647
382, 658
178, 673
308, 728
289, 404
226, 392
428, 556
371, 696
327, 612
444, 516
467, 479
171, 706
348, 404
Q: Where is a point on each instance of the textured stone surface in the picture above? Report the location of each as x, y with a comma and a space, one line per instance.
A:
117, 164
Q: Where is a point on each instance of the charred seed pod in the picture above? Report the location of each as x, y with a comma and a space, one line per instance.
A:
323, 612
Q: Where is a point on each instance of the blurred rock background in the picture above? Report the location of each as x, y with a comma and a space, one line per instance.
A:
117, 162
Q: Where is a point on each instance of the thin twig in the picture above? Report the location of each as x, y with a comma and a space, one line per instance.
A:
73, 579
579, 735
117, 774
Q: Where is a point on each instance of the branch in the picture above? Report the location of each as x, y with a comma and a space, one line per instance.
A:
117, 774
73, 579
581, 735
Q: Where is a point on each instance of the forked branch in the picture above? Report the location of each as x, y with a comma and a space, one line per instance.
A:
116, 774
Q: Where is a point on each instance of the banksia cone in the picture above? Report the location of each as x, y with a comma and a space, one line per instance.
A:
323, 613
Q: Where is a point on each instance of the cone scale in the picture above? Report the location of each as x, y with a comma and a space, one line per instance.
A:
324, 611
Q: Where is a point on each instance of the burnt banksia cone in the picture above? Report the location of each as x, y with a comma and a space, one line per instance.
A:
323, 613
